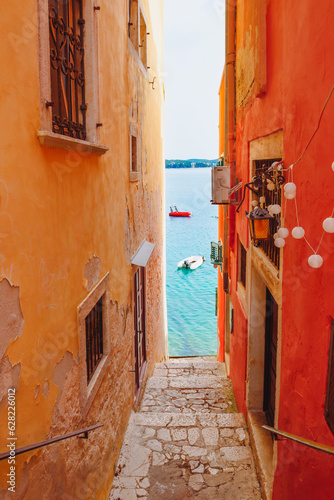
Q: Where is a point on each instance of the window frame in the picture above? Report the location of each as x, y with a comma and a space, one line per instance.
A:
134, 36
330, 380
134, 174
133, 23
88, 389
143, 52
45, 135
94, 348
241, 272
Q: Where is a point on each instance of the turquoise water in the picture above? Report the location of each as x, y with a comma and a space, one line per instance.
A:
192, 324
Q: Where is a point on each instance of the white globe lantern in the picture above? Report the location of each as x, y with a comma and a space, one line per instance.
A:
315, 261
271, 186
298, 232
276, 209
333, 166
279, 242
283, 232
290, 187
255, 203
289, 196
262, 199
275, 236
328, 225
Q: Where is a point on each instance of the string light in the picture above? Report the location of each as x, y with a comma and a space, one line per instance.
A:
315, 260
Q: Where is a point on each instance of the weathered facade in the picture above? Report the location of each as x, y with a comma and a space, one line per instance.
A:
82, 315
275, 311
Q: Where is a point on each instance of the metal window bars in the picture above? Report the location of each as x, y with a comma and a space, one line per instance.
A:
66, 32
272, 197
94, 338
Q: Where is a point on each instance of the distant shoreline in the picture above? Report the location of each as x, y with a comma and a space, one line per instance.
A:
193, 163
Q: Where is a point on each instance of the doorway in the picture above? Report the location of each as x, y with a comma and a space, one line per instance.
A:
140, 331
271, 330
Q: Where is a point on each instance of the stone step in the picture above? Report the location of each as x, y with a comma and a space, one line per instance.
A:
193, 367
166, 456
189, 382
189, 400
188, 441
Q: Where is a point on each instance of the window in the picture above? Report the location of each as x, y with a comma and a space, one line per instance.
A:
329, 404
134, 153
68, 75
133, 22
138, 34
272, 197
67, 60
242, 264
143, 40
134, 164
94, 338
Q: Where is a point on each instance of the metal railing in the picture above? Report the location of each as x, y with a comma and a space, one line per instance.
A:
306, 442
268, 246
25, 449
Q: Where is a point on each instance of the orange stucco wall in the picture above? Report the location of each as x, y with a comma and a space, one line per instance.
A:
58, 209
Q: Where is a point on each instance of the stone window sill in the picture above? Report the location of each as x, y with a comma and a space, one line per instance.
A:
53, 140
134, 176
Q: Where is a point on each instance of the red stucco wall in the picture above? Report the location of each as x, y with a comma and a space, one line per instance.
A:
300, 75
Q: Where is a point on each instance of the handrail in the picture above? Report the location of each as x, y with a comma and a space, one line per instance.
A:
306, 442
40, 444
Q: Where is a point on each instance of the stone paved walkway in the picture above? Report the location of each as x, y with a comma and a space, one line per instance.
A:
187, 441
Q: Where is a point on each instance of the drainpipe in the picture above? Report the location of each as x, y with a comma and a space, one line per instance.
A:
230, 105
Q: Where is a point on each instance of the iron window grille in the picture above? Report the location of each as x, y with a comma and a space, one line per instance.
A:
242, 264
272, 197
329, 404
66, 33
134, 163
94, 338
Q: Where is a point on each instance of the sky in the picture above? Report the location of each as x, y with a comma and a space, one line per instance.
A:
194, 63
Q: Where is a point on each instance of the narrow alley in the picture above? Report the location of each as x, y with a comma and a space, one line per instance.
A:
187, 441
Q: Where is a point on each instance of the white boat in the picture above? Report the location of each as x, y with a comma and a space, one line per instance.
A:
192, 262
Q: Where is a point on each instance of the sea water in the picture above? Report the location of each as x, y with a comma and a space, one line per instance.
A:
192, 324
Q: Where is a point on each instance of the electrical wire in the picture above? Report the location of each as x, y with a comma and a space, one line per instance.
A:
318, 126
290, 170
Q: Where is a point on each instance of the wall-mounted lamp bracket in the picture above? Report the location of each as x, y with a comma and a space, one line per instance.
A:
244, 195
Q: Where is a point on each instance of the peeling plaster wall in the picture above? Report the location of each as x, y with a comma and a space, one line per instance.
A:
66, 219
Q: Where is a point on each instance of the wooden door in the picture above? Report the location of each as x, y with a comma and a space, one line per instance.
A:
270, 358
140, 336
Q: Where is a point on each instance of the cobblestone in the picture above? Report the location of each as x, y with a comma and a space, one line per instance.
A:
186, 442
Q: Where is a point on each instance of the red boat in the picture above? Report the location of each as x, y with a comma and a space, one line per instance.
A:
175, 213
